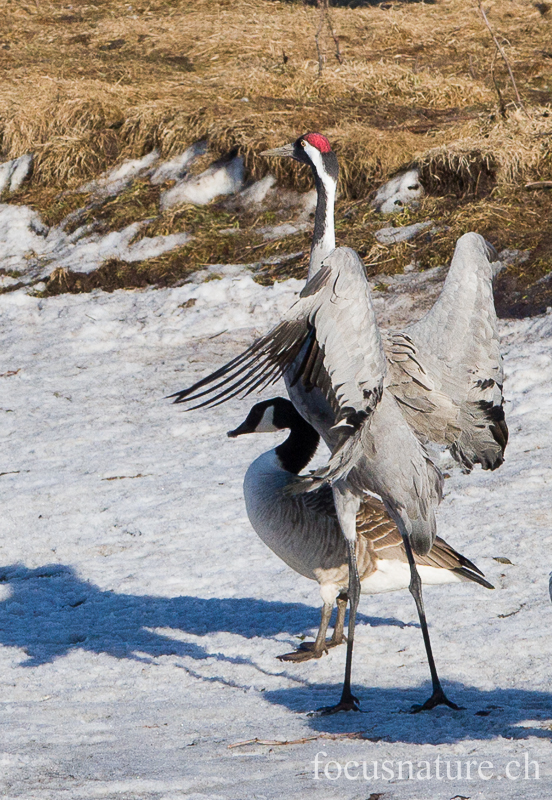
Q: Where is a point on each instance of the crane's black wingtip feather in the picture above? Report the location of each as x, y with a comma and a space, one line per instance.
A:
180, 397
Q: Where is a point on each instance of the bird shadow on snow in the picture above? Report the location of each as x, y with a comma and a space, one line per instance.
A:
50, 611
386, 712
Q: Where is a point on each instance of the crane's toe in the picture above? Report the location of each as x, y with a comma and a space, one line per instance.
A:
438, 698
347, 703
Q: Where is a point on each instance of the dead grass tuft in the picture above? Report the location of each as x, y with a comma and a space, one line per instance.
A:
87, 86
415, 80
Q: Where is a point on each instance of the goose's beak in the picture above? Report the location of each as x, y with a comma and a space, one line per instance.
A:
243, 428
280, 152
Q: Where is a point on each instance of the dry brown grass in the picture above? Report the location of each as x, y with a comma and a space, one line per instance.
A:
88, 84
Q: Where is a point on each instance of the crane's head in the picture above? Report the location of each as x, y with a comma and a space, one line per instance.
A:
312, 149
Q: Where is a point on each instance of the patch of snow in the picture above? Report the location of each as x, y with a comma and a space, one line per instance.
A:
217, 271
402, 190
272, 232
14, 172
175, 168
7, 280
220, 270
113, 182
390, 236
254, 195
508, 257
141, 617
86, 254
511, 257
309, 202
31, 248
23, 238
219, 179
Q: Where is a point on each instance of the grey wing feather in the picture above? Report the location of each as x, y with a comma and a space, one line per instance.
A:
446, 370
348, 335
266, 360
345, 361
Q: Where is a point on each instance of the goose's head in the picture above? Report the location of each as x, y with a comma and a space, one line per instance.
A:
312, 149
268, 416
279, 414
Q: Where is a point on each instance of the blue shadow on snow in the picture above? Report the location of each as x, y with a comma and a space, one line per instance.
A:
50, 611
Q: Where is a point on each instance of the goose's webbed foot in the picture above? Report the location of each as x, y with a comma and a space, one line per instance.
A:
309, 650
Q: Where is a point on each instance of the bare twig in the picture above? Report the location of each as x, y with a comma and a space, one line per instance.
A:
501, 103
334, 37
539, 185
317, 37
304, 740
500, 49
325, 17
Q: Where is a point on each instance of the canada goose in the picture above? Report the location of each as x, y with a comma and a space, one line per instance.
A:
303, 530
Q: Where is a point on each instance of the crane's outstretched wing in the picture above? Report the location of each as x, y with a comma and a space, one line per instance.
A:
445, 371
333, 326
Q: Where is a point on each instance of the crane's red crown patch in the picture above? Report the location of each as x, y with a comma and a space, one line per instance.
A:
318, 141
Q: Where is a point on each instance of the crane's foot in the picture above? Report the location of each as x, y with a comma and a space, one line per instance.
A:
308, 650
438, 698
348, 702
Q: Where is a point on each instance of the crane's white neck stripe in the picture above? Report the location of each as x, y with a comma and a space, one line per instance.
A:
316, 157
323, 241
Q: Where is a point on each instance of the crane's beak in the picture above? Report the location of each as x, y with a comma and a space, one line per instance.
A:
281, 152
492, 254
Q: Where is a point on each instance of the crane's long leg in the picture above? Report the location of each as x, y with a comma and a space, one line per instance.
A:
438, 697
347, 507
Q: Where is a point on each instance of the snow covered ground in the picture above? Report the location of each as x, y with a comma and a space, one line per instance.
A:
140, 616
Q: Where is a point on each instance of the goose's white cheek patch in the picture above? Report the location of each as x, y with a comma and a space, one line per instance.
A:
266, 425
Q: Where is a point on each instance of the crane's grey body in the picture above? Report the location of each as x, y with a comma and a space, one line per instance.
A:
309, 540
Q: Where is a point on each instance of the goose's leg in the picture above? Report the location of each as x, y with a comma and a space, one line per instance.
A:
337, 636
347, 506
308, 650
438, 697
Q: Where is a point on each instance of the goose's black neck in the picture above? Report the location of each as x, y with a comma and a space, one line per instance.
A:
295, 453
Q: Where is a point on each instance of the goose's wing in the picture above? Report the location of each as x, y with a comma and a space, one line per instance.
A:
446, 370
375, 525
333, 326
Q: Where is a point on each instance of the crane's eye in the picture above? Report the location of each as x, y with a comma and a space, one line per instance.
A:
303, 143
